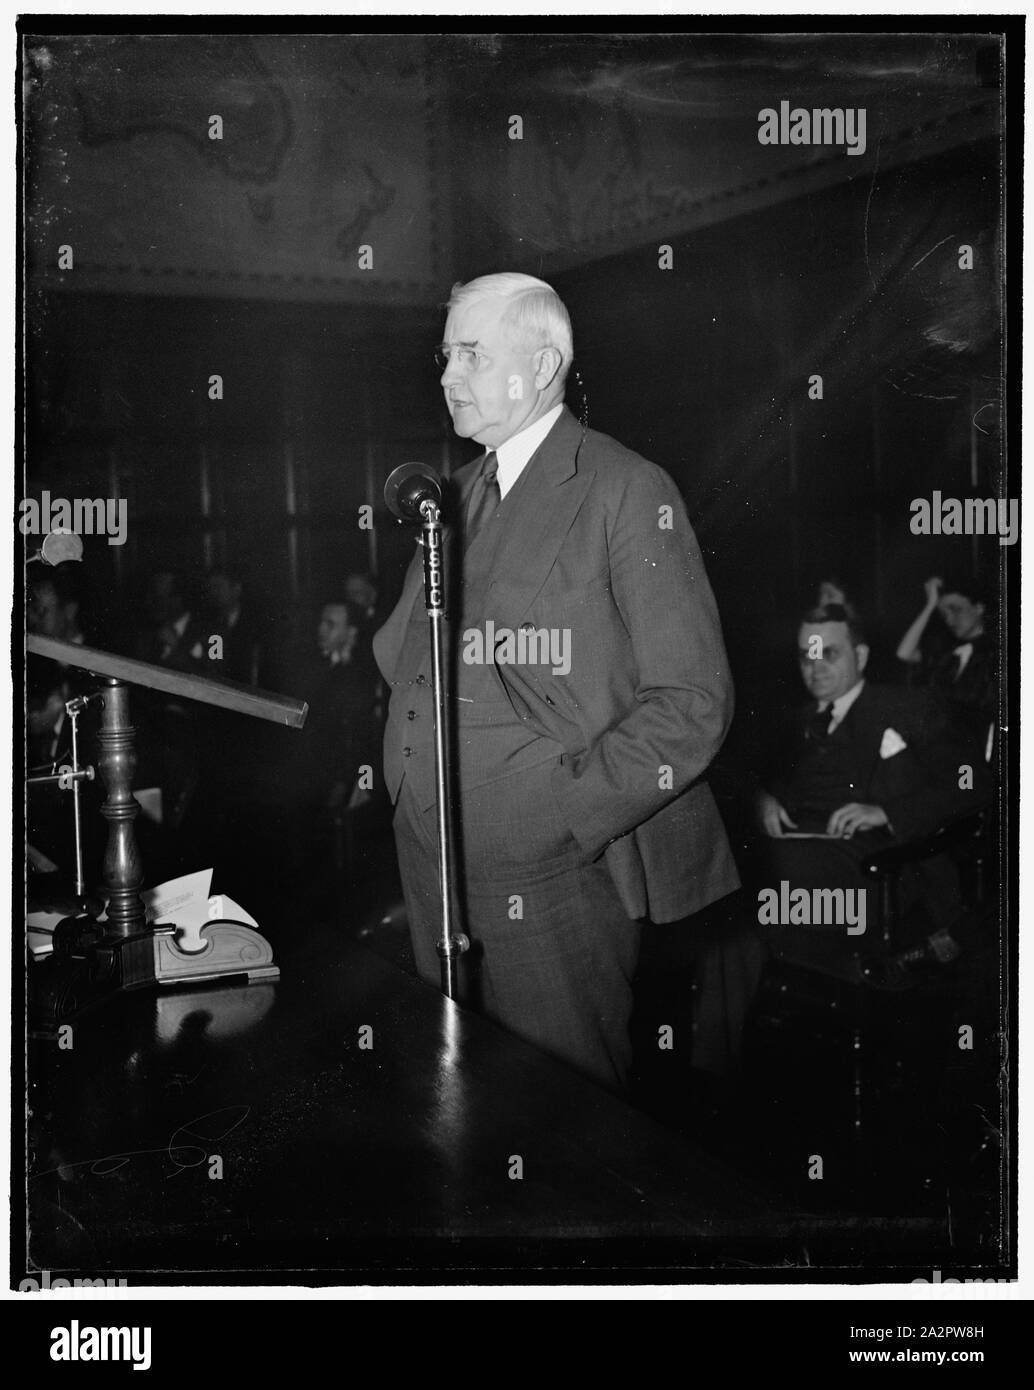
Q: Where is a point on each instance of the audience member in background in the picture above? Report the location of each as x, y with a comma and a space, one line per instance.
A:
230, 619
54, 603
54, 609
334, 762
861, 758
231, 747
167, 745
864, 767
833, 590
963, 677
342, 735
361, 593
170, 634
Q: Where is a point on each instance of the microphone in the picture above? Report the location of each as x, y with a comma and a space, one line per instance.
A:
58, 547
408, 487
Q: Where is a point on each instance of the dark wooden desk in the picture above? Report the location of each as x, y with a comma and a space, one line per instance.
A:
340, 1164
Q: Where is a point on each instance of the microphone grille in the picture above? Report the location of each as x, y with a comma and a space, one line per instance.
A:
60, 546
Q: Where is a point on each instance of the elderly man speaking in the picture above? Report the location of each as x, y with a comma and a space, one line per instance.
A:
581, 805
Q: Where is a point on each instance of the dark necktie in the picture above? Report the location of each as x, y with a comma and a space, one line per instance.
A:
484, 497
818, 724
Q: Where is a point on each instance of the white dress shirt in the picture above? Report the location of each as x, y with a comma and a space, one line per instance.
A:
513, 456
963, 651
179, 627
842, 705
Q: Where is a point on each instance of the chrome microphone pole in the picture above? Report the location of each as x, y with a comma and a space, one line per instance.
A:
452, 944
414, 493
73, 707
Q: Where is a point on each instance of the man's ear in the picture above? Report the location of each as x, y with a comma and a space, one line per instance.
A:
548, 362
862, 653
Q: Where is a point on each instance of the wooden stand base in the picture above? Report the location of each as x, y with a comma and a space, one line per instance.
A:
92, 962
230, 948
83, 973
79, 977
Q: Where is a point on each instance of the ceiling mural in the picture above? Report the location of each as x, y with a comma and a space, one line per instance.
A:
624, 143
263, 165
227, 164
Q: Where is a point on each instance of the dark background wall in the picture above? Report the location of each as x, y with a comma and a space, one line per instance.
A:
319, 404
706, 369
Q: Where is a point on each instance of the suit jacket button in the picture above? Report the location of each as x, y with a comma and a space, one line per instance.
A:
411, 714
406, 752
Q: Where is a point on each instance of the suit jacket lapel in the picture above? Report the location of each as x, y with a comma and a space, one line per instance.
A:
860, 719
866, 718
541, 516
389, 639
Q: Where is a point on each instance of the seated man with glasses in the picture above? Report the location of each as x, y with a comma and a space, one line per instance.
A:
864, 767
581, 802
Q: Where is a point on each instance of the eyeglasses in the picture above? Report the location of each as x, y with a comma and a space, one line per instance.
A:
466, 358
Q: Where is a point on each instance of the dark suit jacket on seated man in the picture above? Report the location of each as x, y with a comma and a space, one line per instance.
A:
866, 767
591, 691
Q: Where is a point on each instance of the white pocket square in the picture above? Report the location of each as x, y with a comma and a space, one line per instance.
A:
891, 743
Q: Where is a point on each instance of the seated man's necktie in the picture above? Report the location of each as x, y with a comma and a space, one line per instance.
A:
818, 724
484, 497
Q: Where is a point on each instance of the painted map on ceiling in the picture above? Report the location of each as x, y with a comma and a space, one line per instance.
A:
325, 147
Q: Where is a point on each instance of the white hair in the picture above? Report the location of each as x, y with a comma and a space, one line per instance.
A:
535, 314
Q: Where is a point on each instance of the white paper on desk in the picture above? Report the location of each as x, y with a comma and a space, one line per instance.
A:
188, 902
39, 932
179, 898
185, 901
224, 909
44, 921
149, 799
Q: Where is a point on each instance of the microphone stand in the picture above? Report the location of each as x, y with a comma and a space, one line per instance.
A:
70, 777
452, 944
93, 962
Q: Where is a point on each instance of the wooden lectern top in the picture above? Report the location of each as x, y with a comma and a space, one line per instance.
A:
245, 699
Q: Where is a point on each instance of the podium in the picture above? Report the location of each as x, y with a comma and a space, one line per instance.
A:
94, 961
